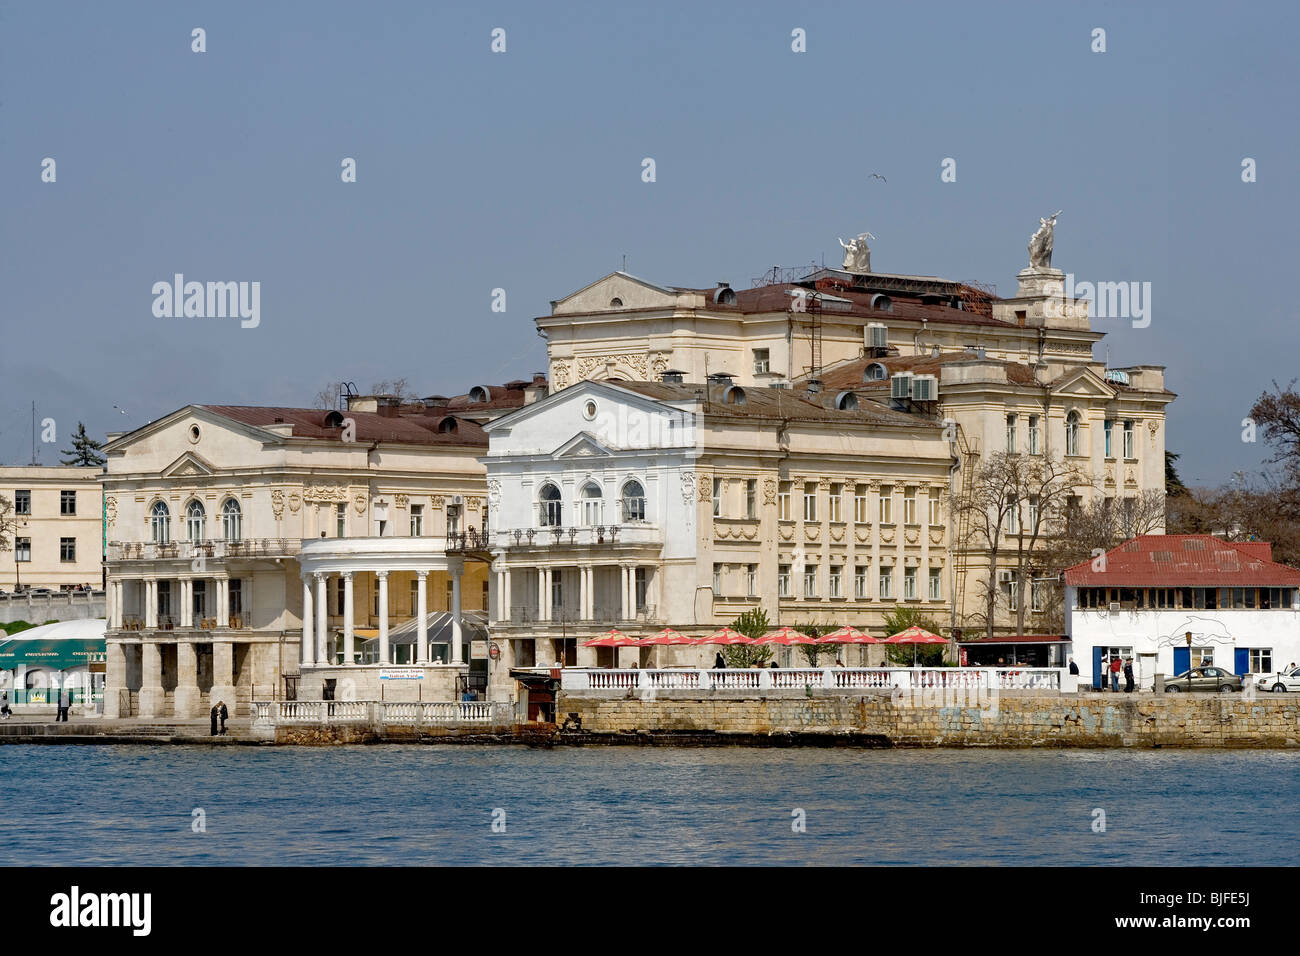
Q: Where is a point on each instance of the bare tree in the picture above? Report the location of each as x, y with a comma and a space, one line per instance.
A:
1012, 504
8, 523
328, 396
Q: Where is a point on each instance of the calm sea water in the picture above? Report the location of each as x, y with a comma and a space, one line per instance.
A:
624, 805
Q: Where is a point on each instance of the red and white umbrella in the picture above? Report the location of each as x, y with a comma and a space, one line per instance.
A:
666, 637
785, 636
611, 638
725, 636
915, 636
847, 635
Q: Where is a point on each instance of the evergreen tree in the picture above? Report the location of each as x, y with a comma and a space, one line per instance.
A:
85, 450
1173, 484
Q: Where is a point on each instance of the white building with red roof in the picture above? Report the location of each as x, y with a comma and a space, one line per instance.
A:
1143, 598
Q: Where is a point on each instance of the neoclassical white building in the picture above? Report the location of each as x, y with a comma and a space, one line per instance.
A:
259, 552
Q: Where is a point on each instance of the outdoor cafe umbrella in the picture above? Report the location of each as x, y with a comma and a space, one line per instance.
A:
724, 636
848, 635
612, 638
915, 636
785, 636
666, 636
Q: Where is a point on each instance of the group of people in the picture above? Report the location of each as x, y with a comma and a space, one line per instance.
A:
1111, 668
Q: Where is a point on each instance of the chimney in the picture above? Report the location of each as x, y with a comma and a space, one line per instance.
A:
672, 376
536, 389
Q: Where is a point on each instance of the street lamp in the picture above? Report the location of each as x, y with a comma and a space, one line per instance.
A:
20, 524
1188, 637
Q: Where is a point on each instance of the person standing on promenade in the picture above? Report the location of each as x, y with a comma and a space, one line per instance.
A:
212, 714
719, 662
62, 713
1128, 675
224, 714
1115, 666
1074, 668
5, 712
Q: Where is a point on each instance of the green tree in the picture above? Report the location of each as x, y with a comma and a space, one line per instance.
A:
752, 623
819, 655
1173, 484
900, 619
84, 450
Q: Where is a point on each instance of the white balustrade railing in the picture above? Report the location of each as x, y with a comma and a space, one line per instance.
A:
619, 680
409, 713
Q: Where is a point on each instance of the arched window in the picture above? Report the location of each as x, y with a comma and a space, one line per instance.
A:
592, 500
633, 501
1072, 433
550, 508
194, 516
875, 372
478, 394
846, 402
231, 520
160, 520
616, 303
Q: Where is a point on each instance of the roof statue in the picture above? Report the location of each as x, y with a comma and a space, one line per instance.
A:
857, 257
1040, 243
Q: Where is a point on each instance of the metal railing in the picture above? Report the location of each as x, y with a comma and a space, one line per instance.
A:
189, 550
826, 678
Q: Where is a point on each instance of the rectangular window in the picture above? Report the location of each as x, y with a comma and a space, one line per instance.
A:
1008, 581
762, 361
717, 580
235, 588
1011, 434
67, 549
936, 508
22, 549
909, 584
783, 501
936, 584
1037, 594
751, 580
1128, 440
810, 580
909, 504
639, 588
1261, 660
810, 501
67, 502
886, 583
415, 596
23, 501
860, 583
1202, 656
837, 572
199, 600
1033, 434
860, 504
340, 520
1033, 513
783, 580
886, 504
336, 590
557, 596
835, 503
417, 520
717, 497
164, 599
1013, 515
1108, 428
751, 498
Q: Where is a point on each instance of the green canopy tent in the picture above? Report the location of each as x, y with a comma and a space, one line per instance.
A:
52, 653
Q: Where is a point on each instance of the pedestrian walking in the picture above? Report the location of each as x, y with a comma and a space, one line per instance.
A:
212, 714
1103, 673
1128, 675
1116, 665
1074, 668
719, 663
224, 714
5, 712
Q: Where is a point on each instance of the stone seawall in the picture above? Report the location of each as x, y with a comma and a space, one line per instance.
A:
1009, 720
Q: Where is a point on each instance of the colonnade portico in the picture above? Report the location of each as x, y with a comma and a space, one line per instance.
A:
532, 586
347, 561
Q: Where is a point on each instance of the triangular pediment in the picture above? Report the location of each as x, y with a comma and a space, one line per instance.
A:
1083, 382
582, 445
189, 464
618, 290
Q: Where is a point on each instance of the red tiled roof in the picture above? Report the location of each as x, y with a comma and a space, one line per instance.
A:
776, 298
1184, 560
849, 374
408, 429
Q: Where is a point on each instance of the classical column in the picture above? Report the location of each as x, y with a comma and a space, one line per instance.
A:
422, 617
383, 617
151, 691
349, 642
222, 611
456, 653
114, 678
223, 674
150, 602
305, 655
505, 591
322, 618
543, 595
186, 598
187, 680
584, 591
624, 574
110, 603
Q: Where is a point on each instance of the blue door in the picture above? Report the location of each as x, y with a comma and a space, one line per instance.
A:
1182, 660
1096, 668
1241, 661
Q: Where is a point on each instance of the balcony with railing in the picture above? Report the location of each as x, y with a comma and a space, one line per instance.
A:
190, 550
602, 617
637, 533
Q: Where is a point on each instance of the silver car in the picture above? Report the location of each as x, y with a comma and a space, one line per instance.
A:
1279, 682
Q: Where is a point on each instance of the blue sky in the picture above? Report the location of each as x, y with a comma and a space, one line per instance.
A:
522, 171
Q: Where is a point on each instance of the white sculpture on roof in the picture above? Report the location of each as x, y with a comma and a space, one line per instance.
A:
1040, 243
857, 257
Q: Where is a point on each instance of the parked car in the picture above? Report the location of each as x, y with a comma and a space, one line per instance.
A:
1211, 679
1278, 682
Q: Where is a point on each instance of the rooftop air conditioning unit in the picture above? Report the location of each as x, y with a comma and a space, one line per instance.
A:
877, 336
925, 388
900, 386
